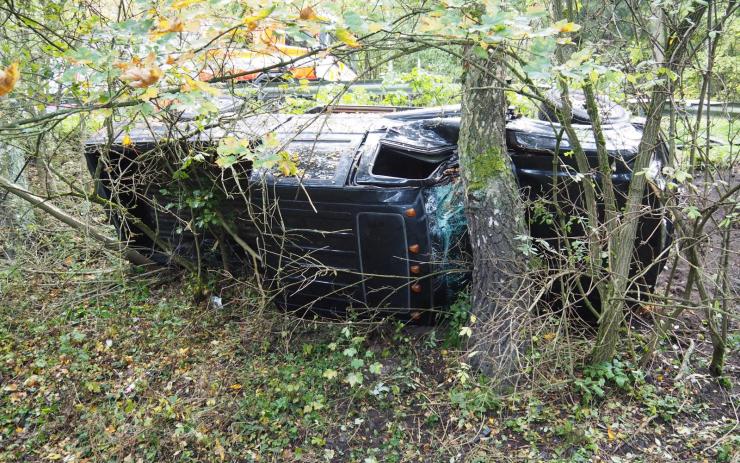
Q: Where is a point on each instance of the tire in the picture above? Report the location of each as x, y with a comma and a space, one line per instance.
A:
610, 112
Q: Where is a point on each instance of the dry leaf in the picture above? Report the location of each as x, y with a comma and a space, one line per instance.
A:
142, 77
8, 78
308, 14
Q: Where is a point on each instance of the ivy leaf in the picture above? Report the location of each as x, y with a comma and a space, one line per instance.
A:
329, 374
354, 379
350, 352
357, 363
376, 368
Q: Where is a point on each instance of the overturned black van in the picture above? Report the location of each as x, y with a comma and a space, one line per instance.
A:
374, 216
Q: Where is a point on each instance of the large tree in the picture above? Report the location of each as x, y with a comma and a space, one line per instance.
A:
495, 218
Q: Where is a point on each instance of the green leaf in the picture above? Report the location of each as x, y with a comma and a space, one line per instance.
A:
354, 379
329, 374
376, 368
357, 363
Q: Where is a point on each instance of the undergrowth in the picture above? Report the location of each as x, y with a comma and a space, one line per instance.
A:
99, 363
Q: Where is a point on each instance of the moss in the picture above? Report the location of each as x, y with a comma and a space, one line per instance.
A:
483, 167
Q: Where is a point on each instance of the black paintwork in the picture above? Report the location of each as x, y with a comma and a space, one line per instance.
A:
339, 235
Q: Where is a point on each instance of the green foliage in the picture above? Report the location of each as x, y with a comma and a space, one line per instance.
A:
455, 318
426, 89
614, 373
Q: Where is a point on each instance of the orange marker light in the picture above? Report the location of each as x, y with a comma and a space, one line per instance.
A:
410, 212
415, 269
414, 248
416, 287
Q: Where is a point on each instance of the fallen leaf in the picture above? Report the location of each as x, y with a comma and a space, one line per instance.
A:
32, 381
611, 434
220, 451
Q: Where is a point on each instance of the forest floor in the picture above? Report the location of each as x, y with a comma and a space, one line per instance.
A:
99, 363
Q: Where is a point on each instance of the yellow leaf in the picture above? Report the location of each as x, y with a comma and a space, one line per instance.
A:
235, 387
150, 93
8, 78
180, 4
220, 451
258, 16
611, 434
347, 38
548, 336
164, 26
126, 140
193, 85
287, 167
566, 27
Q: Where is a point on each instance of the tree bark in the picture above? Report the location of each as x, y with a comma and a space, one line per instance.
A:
612, 315
495, 222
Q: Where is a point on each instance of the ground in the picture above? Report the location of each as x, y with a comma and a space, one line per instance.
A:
100, 363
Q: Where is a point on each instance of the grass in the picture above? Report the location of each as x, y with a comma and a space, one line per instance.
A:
99, 364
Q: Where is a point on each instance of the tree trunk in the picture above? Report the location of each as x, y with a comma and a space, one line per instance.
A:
495, 221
